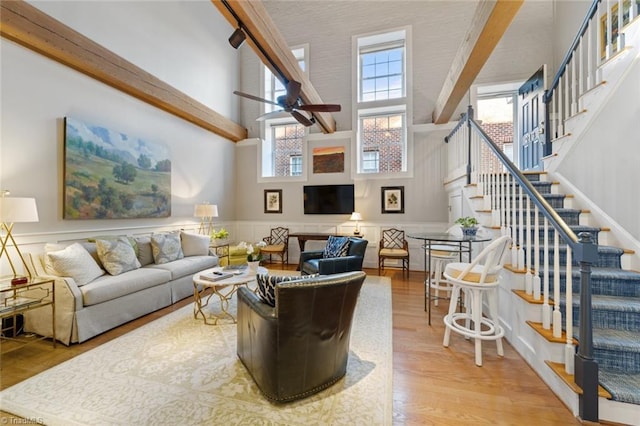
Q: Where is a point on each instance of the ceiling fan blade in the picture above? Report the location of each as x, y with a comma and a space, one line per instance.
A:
273, 114
320, 107
293, 91
255, 98
302, 119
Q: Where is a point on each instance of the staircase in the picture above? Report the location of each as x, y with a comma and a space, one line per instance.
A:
615, 305
586, 104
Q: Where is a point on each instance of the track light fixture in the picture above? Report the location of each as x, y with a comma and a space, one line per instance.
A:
237, 38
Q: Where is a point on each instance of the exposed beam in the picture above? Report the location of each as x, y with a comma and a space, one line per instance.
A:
272, 49
33, 29
491, 20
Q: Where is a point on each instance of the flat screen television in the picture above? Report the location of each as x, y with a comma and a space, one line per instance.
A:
328, 199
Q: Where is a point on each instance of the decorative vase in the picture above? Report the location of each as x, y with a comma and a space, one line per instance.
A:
470, 232
253, 266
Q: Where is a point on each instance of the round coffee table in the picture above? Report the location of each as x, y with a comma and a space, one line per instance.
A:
224, 289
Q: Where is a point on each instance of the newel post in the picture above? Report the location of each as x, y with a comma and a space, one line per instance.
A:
586, 368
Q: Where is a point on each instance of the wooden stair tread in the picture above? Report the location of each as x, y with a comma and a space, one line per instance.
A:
529, 298
548, 334
558, 368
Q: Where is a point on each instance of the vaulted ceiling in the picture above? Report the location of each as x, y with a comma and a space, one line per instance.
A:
473, 29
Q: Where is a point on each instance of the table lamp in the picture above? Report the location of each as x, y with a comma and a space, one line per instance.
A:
15, 210
206, 212
357, 217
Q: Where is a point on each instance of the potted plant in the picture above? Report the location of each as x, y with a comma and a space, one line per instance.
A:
221, 235
469, 225
254, 255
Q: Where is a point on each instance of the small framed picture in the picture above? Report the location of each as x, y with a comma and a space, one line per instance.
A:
392, 199
273, 200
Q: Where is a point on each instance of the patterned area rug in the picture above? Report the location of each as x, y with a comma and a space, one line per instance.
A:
176, 370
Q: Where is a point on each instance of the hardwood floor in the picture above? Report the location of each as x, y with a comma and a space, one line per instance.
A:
432, 385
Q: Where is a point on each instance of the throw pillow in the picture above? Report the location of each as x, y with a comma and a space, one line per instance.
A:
194, 244
267, 285
48, 248
117, 256
336, 247
145, 252
75, 262
166, 247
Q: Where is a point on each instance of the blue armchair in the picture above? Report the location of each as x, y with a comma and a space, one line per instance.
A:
312, 262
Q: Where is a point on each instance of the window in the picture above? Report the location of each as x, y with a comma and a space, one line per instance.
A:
282, 150
371, 160
382, 72
382, 102
295, 165
286, 153
382, 143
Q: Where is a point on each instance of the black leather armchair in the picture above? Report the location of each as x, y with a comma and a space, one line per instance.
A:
311, 262
300, 346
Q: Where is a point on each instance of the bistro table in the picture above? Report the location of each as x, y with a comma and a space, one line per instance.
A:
458, 243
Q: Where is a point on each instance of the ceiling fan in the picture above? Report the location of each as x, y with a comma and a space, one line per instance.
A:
290, 103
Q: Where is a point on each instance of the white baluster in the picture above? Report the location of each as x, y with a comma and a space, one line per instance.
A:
521, 232
546, 309
536, 240
528, 278
569, 349
557, 315
514, 230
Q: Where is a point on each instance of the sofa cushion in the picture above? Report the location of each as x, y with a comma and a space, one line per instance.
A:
186, 266
336, 247
46, 260
166, 247
145, 252
75, 262
110, 287
194, 244
117, 255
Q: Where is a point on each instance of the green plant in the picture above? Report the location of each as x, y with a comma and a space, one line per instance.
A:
219, 235
467, 221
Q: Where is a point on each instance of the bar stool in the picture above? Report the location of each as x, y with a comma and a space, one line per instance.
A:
477, 281
441, 255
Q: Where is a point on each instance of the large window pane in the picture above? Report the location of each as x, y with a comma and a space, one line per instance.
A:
383, 135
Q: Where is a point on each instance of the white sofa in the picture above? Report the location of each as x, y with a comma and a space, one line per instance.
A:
86, 309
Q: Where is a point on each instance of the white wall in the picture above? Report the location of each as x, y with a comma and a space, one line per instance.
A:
186, 45
612, 138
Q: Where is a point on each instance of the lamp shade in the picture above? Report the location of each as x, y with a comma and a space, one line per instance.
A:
355, 216
205, 210
18, 209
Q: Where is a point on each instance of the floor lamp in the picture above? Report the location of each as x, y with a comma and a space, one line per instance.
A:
14, 210
206, 212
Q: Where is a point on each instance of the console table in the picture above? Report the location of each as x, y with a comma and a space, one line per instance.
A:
303, 237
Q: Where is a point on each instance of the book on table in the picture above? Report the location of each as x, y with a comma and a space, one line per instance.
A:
215, 276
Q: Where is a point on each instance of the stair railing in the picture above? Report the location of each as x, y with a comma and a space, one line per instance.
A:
472, 150
599, 39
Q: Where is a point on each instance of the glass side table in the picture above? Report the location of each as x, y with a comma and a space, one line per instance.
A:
36, 293
220, 249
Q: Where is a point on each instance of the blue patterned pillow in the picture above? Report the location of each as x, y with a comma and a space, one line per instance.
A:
267, 285
336, 247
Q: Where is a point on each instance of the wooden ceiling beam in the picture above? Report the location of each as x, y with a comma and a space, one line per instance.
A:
491, 20
35, 30
272, 49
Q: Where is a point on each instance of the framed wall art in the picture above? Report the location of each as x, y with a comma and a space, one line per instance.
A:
392, 199
112, 175
273, 200
328, 159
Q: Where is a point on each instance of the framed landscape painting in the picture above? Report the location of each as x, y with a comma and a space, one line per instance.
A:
110, 175
392, 199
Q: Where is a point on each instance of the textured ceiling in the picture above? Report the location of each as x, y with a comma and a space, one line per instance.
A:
438, 28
